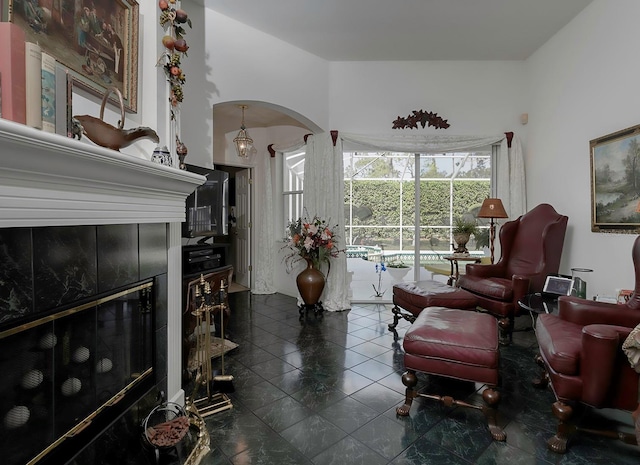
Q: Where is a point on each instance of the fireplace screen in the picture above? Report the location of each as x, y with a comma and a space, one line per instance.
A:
61, 371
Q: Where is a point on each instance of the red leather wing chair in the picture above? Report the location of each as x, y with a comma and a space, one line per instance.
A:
531, 247
581, 353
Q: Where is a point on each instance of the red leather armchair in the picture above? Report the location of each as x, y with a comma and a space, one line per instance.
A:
531, 248
581, 352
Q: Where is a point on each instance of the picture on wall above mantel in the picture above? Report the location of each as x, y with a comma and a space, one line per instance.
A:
615, 182
96, 39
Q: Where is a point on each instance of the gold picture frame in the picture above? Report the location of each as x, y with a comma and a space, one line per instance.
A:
615, 182
97, 40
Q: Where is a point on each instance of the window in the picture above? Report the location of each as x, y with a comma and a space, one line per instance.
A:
381, 191
292, 184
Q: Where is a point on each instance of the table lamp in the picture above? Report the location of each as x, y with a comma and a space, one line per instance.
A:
492, 208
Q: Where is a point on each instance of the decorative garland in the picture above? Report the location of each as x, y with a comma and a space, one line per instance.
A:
172, 19
423, 117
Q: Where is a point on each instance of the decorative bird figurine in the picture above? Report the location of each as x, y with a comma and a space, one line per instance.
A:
111, 137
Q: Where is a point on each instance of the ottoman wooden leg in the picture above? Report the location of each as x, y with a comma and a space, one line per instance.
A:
397, 314
409, 379
492, 398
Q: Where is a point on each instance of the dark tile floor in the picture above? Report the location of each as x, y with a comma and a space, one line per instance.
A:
324, 391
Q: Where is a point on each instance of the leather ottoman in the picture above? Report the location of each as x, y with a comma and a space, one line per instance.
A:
457, 344
414, 297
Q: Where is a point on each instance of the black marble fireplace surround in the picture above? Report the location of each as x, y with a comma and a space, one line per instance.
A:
55, 373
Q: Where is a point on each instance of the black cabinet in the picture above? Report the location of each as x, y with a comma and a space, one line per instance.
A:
202, 258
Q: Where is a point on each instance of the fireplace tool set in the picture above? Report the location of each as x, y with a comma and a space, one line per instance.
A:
216, 386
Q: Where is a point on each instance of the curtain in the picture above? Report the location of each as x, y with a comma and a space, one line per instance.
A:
264, 255
412, 143
510, 178
323, 195
324, 182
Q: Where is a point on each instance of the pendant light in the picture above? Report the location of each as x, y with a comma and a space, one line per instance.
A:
243, 142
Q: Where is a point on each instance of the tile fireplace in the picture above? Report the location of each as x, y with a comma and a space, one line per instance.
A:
89, 291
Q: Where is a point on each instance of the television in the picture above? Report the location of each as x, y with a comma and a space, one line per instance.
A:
207, 207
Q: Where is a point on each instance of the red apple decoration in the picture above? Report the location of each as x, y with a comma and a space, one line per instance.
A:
163, 4
181, 45
181, 16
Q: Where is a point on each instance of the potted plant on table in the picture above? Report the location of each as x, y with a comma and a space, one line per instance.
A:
462, 231
398, 269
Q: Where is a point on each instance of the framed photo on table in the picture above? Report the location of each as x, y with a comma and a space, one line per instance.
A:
615, 182
97, 40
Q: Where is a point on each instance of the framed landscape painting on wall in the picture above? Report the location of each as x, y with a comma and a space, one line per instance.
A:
615, 182
96, 39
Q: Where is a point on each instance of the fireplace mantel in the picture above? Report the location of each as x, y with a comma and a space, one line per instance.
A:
50, 180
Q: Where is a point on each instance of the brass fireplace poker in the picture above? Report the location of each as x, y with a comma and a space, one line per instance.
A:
217, 401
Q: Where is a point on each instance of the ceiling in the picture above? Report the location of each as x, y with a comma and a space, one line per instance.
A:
371, 30
389, 30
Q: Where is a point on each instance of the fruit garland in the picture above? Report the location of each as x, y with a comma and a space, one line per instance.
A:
172, 19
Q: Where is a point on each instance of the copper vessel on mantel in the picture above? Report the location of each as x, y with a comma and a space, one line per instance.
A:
106, 135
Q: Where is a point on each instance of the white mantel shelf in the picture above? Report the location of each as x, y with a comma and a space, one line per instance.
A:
51, 180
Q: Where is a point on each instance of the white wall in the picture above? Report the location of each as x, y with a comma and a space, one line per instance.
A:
583, 85
475, 97
577, 87
229, 61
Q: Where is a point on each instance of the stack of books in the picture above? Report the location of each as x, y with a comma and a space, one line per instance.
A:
35, 89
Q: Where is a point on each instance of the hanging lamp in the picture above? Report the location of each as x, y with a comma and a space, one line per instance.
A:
243, 142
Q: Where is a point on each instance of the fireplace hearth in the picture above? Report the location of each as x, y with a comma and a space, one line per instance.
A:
63, 371
79, 226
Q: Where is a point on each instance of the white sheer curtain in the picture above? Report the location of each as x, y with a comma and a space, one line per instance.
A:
510, 164
264, 255
417, 143
510, 182
324, 185
323, 195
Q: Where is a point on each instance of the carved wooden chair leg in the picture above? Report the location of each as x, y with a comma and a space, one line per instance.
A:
563, 412
505, 326
492, 398
409, 379
543, 380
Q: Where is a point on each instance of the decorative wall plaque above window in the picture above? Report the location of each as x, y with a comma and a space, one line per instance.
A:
424, 118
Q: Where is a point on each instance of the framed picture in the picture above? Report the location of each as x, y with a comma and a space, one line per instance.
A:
96, 39
615, 182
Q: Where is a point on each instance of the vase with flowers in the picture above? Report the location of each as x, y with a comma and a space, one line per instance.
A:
315, 242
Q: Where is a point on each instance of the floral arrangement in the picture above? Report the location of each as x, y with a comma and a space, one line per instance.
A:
172, 19
312, 240
379, 269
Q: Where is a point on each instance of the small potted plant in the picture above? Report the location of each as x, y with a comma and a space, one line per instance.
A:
462, 231
398, 269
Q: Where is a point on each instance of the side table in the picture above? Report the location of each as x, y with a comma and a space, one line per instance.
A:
537, 303
453, 260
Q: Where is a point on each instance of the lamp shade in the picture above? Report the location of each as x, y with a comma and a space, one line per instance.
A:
492, 208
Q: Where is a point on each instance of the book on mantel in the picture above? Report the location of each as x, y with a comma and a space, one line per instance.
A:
48, 101
33, 78
12, 73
